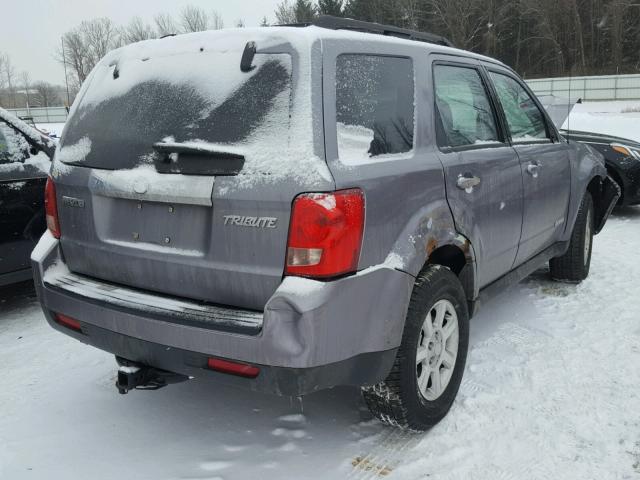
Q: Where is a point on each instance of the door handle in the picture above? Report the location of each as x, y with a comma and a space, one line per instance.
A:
467, 182
533, 169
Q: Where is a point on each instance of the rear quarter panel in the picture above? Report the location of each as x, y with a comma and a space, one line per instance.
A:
586, 163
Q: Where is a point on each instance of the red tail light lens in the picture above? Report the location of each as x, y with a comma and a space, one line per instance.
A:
51, 208
68, 322
233, 368
325, 234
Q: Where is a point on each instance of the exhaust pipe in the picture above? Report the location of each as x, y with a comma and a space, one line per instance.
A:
133, 375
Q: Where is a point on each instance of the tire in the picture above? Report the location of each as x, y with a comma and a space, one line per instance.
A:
399, 400
574, 265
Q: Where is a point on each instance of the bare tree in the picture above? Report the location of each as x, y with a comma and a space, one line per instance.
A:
240, 23
86, 44
136, 31
45, 94
26, 85
264, 22
285, 12
193, 19
165, 24
9, 72
216, 21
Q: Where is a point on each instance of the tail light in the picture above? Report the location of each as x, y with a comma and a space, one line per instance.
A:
68, 322
51, 208
233, 368
325, 234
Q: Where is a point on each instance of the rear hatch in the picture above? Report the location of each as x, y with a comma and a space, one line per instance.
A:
176, 170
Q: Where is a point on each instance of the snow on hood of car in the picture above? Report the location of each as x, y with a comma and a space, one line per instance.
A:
35, 136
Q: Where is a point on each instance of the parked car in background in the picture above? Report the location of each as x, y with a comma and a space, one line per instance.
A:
622, 155
24, 163
293, 208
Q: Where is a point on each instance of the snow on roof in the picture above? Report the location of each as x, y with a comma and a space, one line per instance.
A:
234, 39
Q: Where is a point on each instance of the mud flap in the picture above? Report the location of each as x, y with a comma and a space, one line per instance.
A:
609, 195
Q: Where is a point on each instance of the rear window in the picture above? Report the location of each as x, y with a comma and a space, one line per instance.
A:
191, 97
374, 106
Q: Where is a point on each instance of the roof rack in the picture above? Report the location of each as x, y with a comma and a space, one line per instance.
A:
338, 23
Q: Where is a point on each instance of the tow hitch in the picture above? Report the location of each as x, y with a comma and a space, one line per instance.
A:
132, 375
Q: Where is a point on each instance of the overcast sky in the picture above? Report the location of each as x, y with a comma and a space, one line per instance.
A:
30, 30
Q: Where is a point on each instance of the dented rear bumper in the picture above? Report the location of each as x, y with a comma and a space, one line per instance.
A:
311, 335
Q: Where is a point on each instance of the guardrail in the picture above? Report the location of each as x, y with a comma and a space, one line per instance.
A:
42, 114
603, 87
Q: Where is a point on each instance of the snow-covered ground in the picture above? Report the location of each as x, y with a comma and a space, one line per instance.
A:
552, 390
618, 118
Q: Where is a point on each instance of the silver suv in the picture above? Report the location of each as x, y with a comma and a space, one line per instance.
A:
294, 208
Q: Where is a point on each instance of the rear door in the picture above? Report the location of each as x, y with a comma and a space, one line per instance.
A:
544, 160
22, 177
483, 175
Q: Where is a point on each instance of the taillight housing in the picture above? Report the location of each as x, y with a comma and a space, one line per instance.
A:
51, 208
325, 234
68, 322
233, 368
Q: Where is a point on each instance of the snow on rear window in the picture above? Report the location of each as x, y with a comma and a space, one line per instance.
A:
203, 97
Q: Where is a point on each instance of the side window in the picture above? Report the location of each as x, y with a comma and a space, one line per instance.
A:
463, 112
374, 106
13, 146
524, 118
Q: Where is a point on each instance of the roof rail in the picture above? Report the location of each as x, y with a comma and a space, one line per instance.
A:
338, 23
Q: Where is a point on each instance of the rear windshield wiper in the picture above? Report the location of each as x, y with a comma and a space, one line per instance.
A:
194, 158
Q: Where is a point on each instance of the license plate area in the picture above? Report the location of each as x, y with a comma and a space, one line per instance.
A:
149, 225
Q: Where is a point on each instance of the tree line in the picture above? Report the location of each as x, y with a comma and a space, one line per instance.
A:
545, 38
542, 38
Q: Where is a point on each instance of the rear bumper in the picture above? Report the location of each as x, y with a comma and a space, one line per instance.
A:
312, 335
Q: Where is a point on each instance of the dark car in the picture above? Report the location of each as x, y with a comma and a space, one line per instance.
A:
622, 155
293, 208
25, 158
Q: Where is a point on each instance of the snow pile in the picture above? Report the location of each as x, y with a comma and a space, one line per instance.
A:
618, 118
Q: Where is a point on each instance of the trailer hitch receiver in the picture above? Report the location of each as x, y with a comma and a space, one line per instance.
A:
133, 375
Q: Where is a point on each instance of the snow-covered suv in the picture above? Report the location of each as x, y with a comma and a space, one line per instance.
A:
294, 208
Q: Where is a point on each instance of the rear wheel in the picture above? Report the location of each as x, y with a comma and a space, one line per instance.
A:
427, 372
574, 265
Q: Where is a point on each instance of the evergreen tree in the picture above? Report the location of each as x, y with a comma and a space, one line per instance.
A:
264, 22
330, 7
305, 11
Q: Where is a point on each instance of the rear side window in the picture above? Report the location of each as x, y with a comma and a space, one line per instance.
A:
463, 112
524, 118
374, 106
